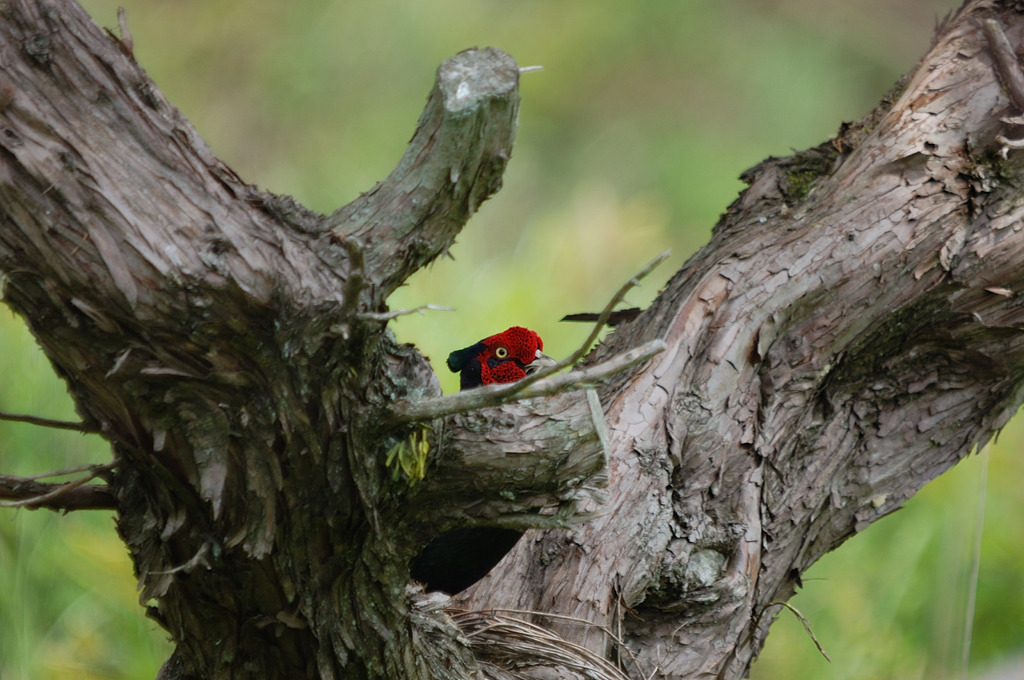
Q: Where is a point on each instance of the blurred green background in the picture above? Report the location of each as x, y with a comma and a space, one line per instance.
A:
630, 142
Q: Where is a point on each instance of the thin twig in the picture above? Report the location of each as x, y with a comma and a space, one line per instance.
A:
807, 626
48, 422
32, 494
387, 316
71, 471
619, 296
1007, 65
602, 321
88, 497
495, 395
127, 42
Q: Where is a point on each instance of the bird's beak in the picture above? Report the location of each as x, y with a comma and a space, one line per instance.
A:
542, 361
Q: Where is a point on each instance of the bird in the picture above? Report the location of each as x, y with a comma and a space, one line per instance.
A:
505, 357
458, 558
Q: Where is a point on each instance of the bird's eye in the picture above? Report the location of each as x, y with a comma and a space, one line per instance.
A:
500, 352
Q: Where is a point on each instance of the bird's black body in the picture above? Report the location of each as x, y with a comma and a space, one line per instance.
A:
466, 363
457, 559
458, 359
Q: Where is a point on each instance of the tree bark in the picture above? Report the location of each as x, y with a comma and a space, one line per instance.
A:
851, 331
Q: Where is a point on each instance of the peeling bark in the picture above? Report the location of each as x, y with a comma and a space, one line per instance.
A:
851, 331
230, 345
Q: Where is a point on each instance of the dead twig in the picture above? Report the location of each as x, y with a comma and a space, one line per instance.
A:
1007, 65
48, 422
26, 492
387, 316
602, 321
807, 626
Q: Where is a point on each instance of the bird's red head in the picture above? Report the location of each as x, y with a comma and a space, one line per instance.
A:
501, 358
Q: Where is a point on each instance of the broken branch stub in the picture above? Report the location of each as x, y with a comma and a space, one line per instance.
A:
455, 161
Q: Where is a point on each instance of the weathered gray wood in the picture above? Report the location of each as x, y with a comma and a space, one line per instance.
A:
504, 465
851, 331
232, 347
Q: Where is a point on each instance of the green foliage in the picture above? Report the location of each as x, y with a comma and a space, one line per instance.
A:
630, 141
407, 459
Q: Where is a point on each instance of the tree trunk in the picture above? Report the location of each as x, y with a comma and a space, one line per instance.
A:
851, 331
